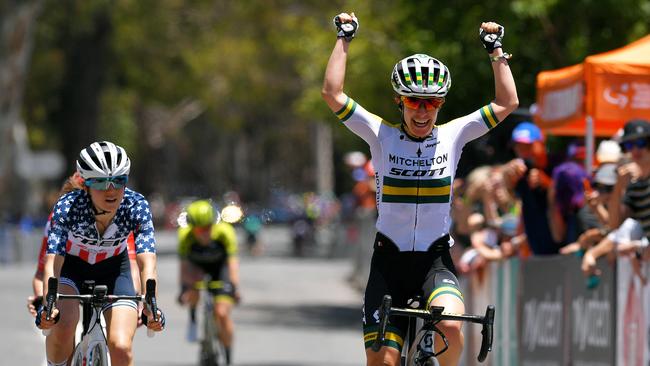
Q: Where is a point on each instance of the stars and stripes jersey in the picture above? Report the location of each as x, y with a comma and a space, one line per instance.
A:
73, 230
414, 177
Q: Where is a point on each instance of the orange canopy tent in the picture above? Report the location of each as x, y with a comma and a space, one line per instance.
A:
604, 91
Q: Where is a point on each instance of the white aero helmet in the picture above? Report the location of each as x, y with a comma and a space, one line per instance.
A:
102, 160
421, 75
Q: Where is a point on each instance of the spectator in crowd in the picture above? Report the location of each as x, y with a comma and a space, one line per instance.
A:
527, 175
594, 215
493, 220
565, 199
608, 151
631, 192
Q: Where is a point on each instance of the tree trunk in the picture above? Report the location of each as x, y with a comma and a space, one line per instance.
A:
87, 61
17, 21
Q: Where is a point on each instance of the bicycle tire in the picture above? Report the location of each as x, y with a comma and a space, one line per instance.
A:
98, 356
77, 357
211, 352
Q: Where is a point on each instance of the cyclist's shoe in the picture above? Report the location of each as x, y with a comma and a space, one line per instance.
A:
192, 332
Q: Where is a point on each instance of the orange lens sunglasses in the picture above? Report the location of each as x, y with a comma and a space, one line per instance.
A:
429, 103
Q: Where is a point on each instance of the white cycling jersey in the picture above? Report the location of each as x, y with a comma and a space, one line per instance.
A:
414, 177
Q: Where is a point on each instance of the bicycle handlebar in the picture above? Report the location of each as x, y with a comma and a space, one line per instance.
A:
99, 297
435, 315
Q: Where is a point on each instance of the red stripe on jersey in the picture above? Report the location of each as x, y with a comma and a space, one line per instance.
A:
130, 245
84, 254
68, 246
100, 257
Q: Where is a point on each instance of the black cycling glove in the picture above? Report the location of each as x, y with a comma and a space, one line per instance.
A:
346, 30
39, 314
491, 41
161, 318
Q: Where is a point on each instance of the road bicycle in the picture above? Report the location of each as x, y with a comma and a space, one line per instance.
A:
211, 350
419, 341
92, 349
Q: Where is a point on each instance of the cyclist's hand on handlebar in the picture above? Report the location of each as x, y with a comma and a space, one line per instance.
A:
33, 303
237, 296
156, 326
41, 321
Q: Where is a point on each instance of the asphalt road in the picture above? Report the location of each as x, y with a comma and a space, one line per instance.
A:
294, 311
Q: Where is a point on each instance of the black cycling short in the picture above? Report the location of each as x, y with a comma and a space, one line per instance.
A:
114, 272
404, 275
216, 272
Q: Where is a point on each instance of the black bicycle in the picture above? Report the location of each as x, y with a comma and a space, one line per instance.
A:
419, 341
92, 349
211, 351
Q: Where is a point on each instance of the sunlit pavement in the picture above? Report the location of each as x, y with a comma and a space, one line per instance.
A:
295, 311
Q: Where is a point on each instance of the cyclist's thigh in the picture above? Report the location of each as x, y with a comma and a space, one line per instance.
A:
384, 278
224, 296
386, 356
69, 310
121, 323
441, 288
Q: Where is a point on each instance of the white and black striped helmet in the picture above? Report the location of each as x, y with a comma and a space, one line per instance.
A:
421, 75
102, 160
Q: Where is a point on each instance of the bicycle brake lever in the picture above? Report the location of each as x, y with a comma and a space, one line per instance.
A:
384, 311
487, 332
52, 289
150, 298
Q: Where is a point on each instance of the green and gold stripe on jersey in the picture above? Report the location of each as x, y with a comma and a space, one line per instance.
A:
395, 190
392, 336
489, 118
445, 290
348, 110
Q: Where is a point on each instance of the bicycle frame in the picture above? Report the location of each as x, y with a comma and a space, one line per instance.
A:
420, 348
92, 349
211, 352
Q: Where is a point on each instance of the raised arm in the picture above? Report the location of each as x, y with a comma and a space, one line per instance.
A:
332, 91
505, 100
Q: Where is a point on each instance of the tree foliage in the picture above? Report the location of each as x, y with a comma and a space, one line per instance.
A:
212, 95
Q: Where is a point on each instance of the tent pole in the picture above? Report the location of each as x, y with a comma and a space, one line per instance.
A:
589, 143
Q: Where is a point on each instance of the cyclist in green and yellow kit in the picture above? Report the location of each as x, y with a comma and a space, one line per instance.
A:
208, 247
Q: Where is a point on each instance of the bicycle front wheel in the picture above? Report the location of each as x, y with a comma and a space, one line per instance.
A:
98, 356
211, 352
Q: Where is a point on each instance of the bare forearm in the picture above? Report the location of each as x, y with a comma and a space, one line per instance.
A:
506, 99
37, 284
51, 268
335, 75
602, 248
147, 265
233, 271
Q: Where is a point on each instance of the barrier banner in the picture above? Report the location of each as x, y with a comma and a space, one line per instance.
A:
504, 286
563, 321
632, 315
592, 315
543, 325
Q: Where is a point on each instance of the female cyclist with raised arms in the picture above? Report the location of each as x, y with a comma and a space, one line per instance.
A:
415, 162
87, 240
